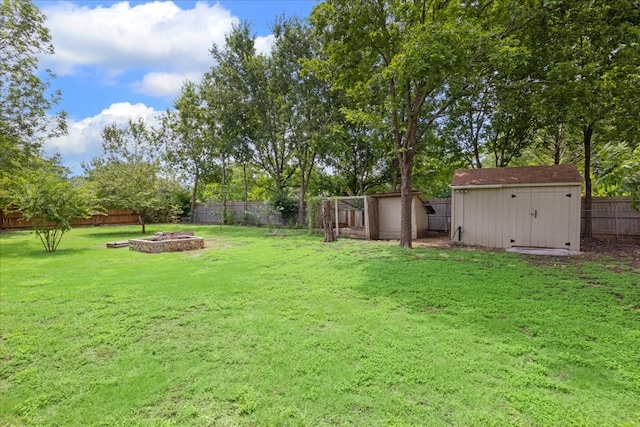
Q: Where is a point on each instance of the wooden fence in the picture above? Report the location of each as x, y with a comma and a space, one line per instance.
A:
611, 216
113, 217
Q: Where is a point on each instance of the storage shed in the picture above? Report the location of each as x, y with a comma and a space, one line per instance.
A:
535, 206
377, 216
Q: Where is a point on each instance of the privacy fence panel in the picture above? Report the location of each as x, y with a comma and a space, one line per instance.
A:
113, 217
612, 216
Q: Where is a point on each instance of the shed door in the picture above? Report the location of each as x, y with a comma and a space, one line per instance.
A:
540, 218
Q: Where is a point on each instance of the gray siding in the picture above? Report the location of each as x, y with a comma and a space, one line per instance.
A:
503, 217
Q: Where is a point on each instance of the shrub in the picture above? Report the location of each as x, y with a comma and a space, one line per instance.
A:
314, 213
287, 205
50, 201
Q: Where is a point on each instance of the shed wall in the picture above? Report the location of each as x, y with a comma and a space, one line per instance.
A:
389, 215
484, 216
389, 218
518, 216
420, 220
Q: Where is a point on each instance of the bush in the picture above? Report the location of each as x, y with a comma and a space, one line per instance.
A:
180, 200
50, 201
287, 205
314, 213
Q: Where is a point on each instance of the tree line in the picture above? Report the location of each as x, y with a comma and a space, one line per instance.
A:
376, 95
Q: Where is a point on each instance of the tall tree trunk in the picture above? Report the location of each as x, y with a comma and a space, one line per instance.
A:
142, 222
474, 138
246, 192
306, 170
587, 133
224, 190
303, 191
329, 235
556, 153
557, 145
406, 197
194, 196
406, 150
396, 171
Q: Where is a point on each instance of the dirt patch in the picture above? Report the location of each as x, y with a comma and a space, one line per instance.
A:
442, 240
433, 240
625, 249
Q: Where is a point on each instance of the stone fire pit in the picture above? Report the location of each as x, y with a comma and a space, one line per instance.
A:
167, 242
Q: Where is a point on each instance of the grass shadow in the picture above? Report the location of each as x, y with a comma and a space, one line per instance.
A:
19, 251
10, 233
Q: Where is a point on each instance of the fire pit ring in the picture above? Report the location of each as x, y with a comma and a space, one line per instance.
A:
176, 241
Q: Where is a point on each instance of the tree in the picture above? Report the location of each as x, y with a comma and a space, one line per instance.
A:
274, 113
310, 107
511, 128
228, 90
128, 176
592, 52
464, 130
135, 142
135, 186
493, 121
435, 164
223, 129
25, 121
245, 182
619, 171
185, 136
415, 53
270, 115
329, 235
49, 200
359, 159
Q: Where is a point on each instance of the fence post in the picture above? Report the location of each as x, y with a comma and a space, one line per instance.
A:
615, 213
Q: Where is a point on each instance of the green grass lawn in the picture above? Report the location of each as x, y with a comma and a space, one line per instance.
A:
268, 330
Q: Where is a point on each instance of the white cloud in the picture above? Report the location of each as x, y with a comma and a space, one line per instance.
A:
84, 140
164, 84
263, 44
158, 35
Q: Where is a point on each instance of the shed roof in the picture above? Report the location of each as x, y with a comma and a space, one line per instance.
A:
421, 197
555, 174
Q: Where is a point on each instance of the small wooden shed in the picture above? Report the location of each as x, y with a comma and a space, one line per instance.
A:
377, 216
534, 206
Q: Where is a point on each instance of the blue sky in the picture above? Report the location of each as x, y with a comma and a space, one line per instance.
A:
117, 59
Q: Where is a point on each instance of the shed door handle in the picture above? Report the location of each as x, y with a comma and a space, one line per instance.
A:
534, 213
